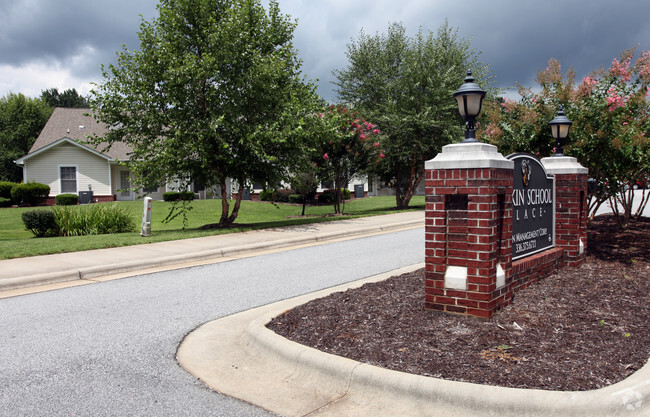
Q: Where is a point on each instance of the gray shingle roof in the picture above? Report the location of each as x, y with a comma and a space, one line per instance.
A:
74, 124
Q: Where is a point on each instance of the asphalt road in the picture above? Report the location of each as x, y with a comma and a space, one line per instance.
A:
108, 349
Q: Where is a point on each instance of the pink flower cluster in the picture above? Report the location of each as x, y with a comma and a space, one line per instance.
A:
493, 131
614, 101
509, 105
588, 84
621, 69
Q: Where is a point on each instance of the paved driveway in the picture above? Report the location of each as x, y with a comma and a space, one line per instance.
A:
108, 349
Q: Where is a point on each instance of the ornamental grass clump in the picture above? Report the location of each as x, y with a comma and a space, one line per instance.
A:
97, 219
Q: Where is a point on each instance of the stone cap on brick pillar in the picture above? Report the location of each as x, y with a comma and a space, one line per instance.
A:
563, 165
469, 155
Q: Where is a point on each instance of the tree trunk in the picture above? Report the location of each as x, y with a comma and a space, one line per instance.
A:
403, 198
235, 210
337, 193
644, 202
225, 207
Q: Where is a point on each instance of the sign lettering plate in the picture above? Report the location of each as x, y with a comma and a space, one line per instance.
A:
533, 207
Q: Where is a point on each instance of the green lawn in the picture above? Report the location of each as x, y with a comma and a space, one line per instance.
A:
16, 242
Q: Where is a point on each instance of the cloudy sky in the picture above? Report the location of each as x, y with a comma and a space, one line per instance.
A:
62, 43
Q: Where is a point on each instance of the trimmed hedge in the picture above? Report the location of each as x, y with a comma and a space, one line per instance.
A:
5, 202
66, 199
5, 189
32, 193
40, 222
178, 196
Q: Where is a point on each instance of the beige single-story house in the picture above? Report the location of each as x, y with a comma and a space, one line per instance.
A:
60, 158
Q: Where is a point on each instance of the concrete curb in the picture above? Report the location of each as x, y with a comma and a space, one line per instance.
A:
90, 272
294, 380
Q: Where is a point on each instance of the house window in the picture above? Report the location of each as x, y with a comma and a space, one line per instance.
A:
125, 183
68, 179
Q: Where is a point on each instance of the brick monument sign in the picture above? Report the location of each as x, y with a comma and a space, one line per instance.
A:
496, 224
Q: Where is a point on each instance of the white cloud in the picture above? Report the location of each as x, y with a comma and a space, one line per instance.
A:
33, 78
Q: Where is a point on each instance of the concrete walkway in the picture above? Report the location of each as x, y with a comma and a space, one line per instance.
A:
101, 264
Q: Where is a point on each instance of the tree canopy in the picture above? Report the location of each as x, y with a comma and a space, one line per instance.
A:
69, 98
610, 131
215, 92
21, 121
405, 84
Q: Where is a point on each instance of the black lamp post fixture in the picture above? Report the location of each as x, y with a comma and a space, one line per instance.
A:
470, 98
560, 130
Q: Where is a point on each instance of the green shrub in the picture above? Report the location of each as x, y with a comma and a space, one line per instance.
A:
97, 219
171, 196
5, 202
66, 199
176, 196
327, 196
295, 199
31, 193
186, 195
40, 222
5, 189
278, 196
266, 195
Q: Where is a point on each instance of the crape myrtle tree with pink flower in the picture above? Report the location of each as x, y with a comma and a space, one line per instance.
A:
610, 113
345, 145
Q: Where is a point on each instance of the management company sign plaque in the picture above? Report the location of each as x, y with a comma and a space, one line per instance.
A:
533, 207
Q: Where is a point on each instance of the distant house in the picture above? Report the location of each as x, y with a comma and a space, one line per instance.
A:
60, 159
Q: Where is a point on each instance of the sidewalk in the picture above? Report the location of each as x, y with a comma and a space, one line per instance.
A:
95, 264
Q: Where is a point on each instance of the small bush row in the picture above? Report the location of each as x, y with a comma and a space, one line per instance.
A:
178, 196
286, 195
32, 193
78, 221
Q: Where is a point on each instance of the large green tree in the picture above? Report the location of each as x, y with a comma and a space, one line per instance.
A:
21, 121
69, 98
405, 85
214, 92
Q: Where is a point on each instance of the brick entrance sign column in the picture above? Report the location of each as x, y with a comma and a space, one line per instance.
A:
468, 230
571, 209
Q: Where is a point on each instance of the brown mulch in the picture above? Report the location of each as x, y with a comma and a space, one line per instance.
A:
582, 329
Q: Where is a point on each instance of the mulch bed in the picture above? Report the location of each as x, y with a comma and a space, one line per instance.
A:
582, 329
